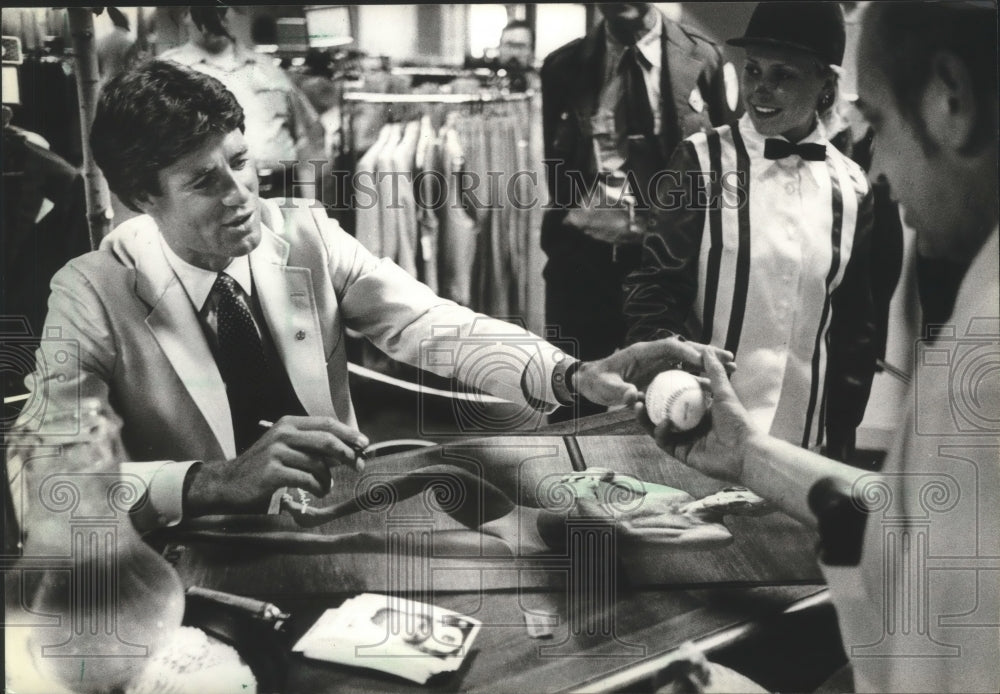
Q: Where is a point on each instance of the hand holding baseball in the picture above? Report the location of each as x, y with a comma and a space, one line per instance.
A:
619, 378
677, 397
717, 445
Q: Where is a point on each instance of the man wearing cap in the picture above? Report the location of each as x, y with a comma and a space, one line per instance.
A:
615, 104
761, 240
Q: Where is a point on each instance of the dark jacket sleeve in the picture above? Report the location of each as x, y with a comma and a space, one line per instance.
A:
714, 90
560, 136
853, 348
659, 295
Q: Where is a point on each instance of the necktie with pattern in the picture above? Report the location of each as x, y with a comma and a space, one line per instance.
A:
241, 361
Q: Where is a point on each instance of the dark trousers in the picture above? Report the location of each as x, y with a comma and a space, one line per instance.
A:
584, 297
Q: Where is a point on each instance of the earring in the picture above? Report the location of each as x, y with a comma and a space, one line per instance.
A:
826, 101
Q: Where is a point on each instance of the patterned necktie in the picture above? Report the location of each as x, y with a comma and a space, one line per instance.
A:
638, 112
241, 361
779, 149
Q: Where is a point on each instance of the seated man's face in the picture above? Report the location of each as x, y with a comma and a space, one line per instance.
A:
207, 209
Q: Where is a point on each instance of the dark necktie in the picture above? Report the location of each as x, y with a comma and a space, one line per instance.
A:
779, 149
638, 112
241, 361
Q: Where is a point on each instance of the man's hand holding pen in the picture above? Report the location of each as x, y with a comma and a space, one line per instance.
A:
293, 452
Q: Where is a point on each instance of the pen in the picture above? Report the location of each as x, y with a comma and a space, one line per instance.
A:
359, 451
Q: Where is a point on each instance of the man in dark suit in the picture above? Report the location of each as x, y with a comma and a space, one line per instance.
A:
604, 141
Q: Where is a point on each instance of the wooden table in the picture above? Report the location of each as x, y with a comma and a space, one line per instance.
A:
610, 625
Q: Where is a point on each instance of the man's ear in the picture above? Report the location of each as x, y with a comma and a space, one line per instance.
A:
948, 106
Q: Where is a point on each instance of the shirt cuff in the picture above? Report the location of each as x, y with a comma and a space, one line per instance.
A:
162, 505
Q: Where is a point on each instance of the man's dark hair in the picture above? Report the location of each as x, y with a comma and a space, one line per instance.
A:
519, 24
149, 117
908, 34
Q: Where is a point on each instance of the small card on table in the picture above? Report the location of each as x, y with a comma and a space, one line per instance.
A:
409, 639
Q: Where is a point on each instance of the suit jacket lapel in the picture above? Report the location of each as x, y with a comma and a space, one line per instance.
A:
587, 89
175, 326
286, 297
681, 68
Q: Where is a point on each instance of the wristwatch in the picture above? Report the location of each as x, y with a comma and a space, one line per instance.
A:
562, 380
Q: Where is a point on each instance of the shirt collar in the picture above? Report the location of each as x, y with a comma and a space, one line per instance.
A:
648, 45
198, 282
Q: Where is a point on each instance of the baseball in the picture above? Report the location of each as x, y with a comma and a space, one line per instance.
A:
676, 396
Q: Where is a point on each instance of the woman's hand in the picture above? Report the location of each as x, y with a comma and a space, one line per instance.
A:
620, 378
717, 446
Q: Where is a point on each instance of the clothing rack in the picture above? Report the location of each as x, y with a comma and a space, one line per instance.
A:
439, 74
351, 99
482, 98
359, 106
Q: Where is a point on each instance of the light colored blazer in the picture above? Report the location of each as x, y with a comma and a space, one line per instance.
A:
121, 328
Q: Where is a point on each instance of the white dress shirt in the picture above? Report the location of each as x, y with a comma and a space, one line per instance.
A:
198, 284
790, 256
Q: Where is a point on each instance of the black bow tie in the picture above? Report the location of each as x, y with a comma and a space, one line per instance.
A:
779, 149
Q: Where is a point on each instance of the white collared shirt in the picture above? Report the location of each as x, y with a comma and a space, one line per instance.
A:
778, 320
791, 220
198, 283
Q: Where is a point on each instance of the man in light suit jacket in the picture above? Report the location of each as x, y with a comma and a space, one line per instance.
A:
595, 135
215, 310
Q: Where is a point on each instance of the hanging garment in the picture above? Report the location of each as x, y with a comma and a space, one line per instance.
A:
429, 191
388, 231
368, 220
403, 202
458, 226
